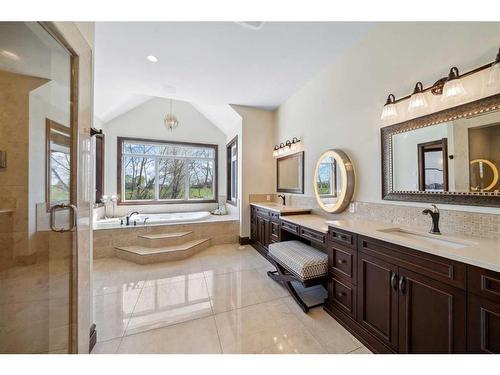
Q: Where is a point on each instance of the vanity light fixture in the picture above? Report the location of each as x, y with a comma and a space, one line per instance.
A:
453, 86
494, 78
286, 146
417, 99
389, 111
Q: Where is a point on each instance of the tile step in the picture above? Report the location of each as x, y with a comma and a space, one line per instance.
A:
165, 235
141, 250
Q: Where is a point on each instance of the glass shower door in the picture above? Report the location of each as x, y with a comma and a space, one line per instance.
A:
37, 192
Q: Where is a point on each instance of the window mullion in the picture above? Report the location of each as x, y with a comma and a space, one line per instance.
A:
186, 182
157, 180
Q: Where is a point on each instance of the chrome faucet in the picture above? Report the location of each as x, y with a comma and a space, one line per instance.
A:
127, 218
283, 198
434, 212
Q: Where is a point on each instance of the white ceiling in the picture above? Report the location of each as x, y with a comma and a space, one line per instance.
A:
214, 63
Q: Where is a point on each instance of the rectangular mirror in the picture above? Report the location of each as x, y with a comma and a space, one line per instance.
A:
450, 157
290, 173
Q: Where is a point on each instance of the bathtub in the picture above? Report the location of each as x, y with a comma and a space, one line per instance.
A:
146, 219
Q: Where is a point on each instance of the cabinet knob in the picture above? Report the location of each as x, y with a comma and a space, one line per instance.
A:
341, 261
340, 294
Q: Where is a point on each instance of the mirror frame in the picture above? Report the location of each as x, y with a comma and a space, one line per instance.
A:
300, 190
489, 199
344, 165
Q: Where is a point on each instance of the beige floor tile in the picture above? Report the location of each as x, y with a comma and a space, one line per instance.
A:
268, 327
107, 347
238, 289
168, 304
112, 312
113, 275
362, 350
196, 337
168, 272
332, 336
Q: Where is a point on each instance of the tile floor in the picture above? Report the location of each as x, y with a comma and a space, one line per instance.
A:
219, 301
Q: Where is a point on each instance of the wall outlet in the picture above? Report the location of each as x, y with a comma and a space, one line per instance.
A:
268, 197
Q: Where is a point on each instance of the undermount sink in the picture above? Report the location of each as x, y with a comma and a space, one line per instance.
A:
435, 239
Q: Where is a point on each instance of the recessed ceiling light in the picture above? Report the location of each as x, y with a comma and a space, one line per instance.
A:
152, 58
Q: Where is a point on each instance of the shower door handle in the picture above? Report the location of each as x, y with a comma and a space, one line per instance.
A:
73, 215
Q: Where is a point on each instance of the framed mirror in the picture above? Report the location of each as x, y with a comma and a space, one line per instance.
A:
290, 173
334, 181
451, 157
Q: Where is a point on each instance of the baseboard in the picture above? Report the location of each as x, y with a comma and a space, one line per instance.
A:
244, 240
92, 337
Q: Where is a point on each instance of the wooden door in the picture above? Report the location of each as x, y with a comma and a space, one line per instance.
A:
431, 315
378, 298
483, 325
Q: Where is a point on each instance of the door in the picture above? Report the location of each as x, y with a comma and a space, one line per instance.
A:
38, 191
431, 315
483, 325
378, 298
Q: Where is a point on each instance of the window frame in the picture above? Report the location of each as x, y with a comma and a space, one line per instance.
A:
119, 172
229, 174
100, 155
422, 149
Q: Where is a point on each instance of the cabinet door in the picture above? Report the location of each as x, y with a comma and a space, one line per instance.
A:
266, 232
483, 325
377, 309
431, 315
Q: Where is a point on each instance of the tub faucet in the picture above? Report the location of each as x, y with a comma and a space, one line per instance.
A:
434, 212
127, 218
283, 198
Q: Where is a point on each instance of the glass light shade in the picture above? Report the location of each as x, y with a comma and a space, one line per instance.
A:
389, 112
293, 147
281, 151
417, 101
171, 121
494, 78
275, 153
453, 89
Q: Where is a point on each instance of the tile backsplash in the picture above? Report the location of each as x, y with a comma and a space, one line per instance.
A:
452, 221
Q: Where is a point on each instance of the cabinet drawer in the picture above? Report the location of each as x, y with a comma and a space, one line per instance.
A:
274, 216
292, 228
342, 295
341, 237
342, 263
484, 283
312, 235
262, 213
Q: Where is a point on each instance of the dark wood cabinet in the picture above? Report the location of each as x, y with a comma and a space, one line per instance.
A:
483, 325
431, 315
378, 298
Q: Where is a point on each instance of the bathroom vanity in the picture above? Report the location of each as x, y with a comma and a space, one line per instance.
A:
398, 290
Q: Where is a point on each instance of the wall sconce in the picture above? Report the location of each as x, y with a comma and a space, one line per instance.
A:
449, 87
494, 78
285, 147
417, 99
389, 110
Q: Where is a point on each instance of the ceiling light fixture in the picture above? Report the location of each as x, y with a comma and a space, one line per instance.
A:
170, 120
389, 111
453, 86
152, 58
417, 99
494, 78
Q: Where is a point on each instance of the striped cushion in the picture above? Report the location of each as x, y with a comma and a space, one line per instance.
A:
304, 261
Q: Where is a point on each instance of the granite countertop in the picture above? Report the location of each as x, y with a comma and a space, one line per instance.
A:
476, 251
311, 221
276, 207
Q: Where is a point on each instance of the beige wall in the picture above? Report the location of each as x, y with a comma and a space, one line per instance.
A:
341, 106
258, 164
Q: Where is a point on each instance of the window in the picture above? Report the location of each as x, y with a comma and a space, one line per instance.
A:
166, 172
433, 165
232, 171
99, 167
58, 163
327, 178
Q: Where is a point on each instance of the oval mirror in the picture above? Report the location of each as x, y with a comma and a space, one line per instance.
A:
334, 181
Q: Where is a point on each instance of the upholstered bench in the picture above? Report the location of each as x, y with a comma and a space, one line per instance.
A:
297, 261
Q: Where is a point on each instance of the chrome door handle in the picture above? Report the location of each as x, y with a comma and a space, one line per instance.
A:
73, 213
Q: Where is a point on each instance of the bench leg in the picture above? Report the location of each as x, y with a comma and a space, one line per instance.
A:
284, 279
